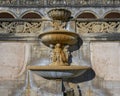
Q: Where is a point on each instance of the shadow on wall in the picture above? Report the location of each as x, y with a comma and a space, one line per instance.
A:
77, 45
108, 36
73, 48
87, 76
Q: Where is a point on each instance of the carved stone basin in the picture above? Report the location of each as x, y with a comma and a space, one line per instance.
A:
58, 72
59, 14
62, 37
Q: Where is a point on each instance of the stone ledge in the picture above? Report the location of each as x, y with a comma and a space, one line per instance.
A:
19, 37
100, 36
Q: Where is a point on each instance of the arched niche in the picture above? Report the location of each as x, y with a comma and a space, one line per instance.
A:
6, 15
31, 15
112, 15
87, 15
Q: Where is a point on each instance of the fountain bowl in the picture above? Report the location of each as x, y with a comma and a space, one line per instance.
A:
59, 14
58, 72
62, 37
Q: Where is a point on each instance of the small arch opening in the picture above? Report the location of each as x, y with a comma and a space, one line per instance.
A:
113, 15
87, 15
6, 15
31, 15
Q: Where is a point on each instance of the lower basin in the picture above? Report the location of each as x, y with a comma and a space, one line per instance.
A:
58, 72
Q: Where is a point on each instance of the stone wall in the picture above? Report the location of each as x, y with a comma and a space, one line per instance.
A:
100, 51
103, 57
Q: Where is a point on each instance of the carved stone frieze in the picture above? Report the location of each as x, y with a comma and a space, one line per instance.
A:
59, 2
36, 27
7, 2
95, 27
20, 27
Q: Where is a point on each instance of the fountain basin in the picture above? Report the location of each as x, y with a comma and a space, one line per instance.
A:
58, 72
59, 14
62, 37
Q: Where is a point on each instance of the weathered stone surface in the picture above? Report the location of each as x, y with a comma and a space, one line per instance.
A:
12, 59
4, 92
105, 58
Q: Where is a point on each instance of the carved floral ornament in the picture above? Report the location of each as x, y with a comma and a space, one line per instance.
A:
30, 27
94, 27
36, 27
20, 27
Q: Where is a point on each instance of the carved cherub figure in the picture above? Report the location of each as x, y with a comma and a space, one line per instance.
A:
58, 54
67, 53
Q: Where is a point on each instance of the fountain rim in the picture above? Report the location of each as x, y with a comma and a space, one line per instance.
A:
58, 68
59, 9
67, 14
66, 32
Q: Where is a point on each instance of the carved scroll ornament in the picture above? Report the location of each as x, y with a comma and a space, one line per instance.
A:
20, 27
94, 27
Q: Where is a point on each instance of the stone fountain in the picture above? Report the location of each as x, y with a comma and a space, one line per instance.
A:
59, 40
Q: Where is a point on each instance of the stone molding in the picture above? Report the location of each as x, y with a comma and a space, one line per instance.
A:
46, 3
